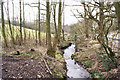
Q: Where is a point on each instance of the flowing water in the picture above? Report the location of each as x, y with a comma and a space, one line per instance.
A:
73, 69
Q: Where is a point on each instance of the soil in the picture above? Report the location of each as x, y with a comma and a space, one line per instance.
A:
23, 68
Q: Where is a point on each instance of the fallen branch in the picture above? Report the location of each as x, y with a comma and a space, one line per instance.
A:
47, 66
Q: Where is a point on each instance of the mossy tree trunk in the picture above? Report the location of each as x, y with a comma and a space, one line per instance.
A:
11, 31
21, 39
3, 25
50, 51
63, 23
85, 23
54, 16
117, 8
101, 28
13, 19
36, 30
39, 33
59, 20
57, 36
24, 22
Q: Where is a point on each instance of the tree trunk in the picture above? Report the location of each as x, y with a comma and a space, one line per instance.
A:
117, 7
3, 25
24, 22
50, 51
13, 20
101, 28
39, 34
11, 33
29, 35
63, 23
54, 16
59, 19
46, 36
33, 34
57, 36
36, 30
20, 25
86, 25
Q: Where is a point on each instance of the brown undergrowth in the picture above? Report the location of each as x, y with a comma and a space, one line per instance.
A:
97, 62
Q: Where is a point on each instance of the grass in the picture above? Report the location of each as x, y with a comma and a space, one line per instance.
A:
17, 32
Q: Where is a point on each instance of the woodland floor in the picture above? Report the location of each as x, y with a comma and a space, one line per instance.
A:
36, 64
31, 64
23, 68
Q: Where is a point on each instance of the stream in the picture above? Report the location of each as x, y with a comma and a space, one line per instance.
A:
73, 69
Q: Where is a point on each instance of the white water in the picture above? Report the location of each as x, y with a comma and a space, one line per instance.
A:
74, 70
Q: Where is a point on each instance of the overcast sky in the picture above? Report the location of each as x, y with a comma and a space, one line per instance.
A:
30, 13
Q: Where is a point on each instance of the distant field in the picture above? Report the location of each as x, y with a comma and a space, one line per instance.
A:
17, 32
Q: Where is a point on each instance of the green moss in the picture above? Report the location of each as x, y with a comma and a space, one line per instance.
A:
75, 54
36, 57
88, 63
59, 74
58, 56
26, 54
1, 53
96, 74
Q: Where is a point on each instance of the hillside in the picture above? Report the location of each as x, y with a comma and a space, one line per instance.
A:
16, 32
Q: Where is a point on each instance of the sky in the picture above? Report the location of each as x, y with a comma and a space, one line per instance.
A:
30, 13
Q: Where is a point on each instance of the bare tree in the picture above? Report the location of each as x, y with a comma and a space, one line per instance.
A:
21, 39
63, 23
101, 4
11, 32
101, 18
3, 24
85, 23
117, 7
36, 30
39, 34
59, 19
13, 18
49, 50
54, 16
52, 49
24, 22
57, 36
